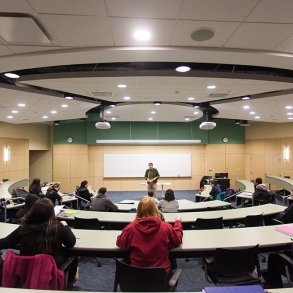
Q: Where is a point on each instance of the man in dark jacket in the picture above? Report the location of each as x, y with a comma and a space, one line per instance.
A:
102, 203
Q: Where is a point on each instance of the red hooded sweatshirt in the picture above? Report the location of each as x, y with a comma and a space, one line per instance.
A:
149, 240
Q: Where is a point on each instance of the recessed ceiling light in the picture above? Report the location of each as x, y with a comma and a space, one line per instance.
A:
53, 112
21, 105
142, 35
122, 85
289, 114
10, 117
126, 98
11, 75
196, 106
108, 112
64, 106
45, 117
289, 107
186, 118
195, 113
157, 103
153, 112
210, 87
182, 68
190, 98
68, 97
252, 113
290, 118
256, 117
246, 98
112, 106
113, 118
246, 107
150, 119
14, 111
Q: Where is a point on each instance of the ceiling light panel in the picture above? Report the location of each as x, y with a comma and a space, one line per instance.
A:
22, 30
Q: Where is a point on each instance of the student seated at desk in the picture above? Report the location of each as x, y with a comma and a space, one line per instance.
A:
83, 192
216, 188
36, 187
102, 203
148, 238
41, 232
169, 204
28, 203
262, 194
287, 215
151, 194
53, 195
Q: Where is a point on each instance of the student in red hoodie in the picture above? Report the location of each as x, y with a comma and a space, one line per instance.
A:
148, 238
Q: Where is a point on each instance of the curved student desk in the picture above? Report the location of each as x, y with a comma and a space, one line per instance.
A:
184, 205
245, 185
7, 187
196, 243
203, 195
115, 220
282, 182
14, 290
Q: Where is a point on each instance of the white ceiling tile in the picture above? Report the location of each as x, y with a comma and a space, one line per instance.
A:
17, 6
259, 36
273, 11
184, 29
5, 51
73, 7
221, 10
26, 49
144, 8
78, 30
124, 28
285, 46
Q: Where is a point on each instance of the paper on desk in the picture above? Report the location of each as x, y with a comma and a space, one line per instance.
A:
68, 213
287, 229
58, 209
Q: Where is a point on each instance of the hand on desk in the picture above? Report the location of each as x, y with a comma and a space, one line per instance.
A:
64, 223
178, 218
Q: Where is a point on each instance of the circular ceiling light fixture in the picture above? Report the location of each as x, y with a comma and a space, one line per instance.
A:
122, 86
11, 75
142, 35
183, 68
68, 96
246, 98
157, 103
202, 34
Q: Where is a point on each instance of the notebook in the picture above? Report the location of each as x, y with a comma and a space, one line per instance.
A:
287, 229
234, 289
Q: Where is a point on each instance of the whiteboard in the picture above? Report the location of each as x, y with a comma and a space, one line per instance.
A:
135, 165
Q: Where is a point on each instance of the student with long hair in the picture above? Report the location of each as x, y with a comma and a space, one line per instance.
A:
40, 232
148, 238
36, 187
84, 196
169, 204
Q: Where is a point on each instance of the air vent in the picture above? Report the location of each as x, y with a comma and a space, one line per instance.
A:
218, 95
101, 94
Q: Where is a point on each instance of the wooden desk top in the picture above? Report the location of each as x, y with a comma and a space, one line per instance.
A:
230, 214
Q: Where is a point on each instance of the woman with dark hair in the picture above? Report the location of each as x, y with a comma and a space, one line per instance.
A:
84, 196
148, 238
40, 232
169, 204
53, 195
35, 187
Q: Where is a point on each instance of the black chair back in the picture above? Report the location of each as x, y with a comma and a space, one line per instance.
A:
137, 279
205, 224
254, 221
89, 224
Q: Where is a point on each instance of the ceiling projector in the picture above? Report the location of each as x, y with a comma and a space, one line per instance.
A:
207, 125
103, 125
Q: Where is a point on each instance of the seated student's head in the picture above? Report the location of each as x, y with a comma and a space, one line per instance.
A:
103, 190
147, 208
36, 181
150, 193
258, 181
169, 195
42, 211
56, 186
83, 183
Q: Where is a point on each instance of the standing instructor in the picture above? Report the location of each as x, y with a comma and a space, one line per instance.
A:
152, 175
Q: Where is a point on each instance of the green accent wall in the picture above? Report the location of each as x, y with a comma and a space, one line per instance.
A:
84, 131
